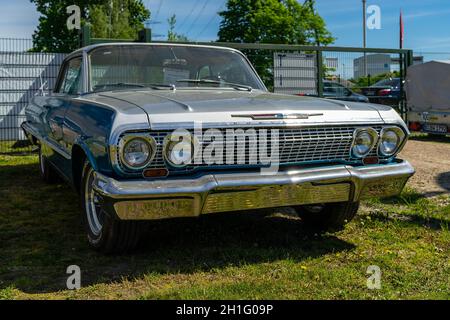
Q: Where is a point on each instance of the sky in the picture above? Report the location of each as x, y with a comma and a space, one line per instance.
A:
427, 23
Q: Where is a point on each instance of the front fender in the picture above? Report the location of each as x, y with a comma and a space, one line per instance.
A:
81, 143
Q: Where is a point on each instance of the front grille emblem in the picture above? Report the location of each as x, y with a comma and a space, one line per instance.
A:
277, 116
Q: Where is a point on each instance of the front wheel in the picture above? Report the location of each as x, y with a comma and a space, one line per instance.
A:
105, 233
328, 217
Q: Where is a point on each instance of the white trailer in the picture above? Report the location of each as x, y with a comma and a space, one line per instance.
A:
295, 73
427, 89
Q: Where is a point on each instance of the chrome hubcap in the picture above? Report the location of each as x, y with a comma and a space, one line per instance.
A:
93, 206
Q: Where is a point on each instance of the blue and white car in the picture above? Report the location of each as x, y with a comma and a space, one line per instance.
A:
142, 131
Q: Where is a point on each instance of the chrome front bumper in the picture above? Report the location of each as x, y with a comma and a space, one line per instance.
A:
170, 198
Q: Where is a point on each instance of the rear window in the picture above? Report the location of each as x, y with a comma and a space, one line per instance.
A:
394, 83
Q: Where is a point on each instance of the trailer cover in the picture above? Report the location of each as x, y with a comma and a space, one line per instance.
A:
428, 86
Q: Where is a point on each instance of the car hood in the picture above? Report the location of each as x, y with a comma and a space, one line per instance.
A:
181, 108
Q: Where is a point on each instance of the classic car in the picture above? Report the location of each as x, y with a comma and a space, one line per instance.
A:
337, 91
158, 131
334, 90
385, 91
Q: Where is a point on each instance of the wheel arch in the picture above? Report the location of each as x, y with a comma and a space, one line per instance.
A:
80, 153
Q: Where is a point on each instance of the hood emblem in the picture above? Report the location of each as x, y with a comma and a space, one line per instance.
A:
277, 116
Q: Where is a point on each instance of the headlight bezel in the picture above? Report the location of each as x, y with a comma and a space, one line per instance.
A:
126, 139
373, 134
401, 136
167, 143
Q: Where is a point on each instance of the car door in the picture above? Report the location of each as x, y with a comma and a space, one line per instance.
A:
68, 87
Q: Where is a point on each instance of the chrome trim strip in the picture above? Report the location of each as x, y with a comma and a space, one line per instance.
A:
276, 116
372, 132
27, 128
113, 143
403, 138
279, 124
148, 139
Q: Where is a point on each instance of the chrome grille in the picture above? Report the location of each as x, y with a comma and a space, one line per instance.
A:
296, 145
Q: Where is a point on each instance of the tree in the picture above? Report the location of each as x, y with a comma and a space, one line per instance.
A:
117, 19
126, 17
171, 34
271, 21
369, 80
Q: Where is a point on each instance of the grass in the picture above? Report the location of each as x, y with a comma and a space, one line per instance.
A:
267, 255
420, 136
15, 147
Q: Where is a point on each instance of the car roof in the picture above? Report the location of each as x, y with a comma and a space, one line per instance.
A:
89, 48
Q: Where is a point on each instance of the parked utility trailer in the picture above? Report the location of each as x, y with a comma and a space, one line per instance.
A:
295, 73
428, 96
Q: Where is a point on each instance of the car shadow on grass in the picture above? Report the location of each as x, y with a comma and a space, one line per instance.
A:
41, 235
426, 137
417, 215
412, 219
443, 179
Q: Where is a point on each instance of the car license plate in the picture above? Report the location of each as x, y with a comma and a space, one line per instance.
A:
370, 93
438, 128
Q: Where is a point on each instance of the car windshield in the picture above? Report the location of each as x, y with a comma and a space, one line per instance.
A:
394, 83
165, 66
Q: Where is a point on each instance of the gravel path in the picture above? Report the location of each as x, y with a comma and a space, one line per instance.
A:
431, 159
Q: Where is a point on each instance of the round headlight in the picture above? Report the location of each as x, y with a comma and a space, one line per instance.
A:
391, 139
363, 142
137, 152
179, 149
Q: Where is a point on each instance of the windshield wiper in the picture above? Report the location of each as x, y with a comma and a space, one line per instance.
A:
156, 86
159, 86
101, 87
230, 84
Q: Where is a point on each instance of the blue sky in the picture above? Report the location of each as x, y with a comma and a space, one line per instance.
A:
427, 23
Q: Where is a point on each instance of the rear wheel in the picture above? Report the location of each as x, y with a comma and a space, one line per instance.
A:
48, 173
105, 233
328, 217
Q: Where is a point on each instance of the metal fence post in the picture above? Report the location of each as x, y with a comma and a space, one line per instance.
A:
145, 35
85, 36
408, 60
402, 106
319, 61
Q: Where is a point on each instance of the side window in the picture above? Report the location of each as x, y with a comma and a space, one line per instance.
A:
327, 88
71, 82
338, 89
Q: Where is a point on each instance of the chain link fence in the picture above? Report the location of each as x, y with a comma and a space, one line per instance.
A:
23, 75
348, 74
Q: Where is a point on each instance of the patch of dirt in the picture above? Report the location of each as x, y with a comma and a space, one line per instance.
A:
432, 163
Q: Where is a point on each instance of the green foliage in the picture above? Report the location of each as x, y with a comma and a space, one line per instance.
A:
366, 81
271, 21
171, 34
116, 21
126, 16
